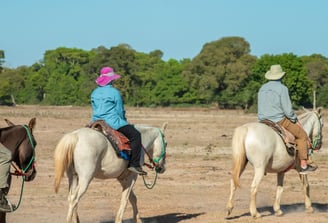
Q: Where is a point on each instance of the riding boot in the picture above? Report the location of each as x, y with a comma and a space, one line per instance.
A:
5, 205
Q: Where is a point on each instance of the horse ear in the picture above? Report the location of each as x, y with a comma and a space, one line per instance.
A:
32, 123
9, 123
319, 110
164, 127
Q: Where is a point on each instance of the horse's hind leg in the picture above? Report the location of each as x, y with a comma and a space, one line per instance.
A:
233, 188
280, 184
72, 201
230, 204
306, 190
77, 187
127, 184
259, 173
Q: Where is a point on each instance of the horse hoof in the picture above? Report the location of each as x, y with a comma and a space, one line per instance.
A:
229, 210
279, 213
309, 210
257, 215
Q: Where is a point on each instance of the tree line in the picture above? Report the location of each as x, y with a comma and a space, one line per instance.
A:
223, 74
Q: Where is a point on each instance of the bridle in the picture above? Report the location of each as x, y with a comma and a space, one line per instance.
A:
154, 162
28, 170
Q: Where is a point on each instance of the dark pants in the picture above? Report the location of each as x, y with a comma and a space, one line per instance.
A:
135, 142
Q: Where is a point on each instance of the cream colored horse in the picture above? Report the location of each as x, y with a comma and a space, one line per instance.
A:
261, 146
86, 153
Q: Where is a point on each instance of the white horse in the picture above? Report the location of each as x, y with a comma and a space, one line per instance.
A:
260, 145
86, 153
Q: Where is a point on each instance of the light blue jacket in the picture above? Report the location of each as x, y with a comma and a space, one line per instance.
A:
107, 104
274, 102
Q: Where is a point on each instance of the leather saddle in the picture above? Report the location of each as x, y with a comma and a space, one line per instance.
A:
119, 141
286, 136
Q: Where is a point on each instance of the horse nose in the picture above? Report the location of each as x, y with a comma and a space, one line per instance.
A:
32, 176
160, 169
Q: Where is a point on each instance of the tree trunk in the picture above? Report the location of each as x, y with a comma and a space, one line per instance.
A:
13, 101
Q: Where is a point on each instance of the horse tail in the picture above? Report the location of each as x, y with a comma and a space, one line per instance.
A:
63, 156
238, 153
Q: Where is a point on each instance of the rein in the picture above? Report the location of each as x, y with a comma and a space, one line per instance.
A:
22, 172
154, 162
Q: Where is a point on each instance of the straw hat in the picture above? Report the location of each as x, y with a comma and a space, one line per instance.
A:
275, 73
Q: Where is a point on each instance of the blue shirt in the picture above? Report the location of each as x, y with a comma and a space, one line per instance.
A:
274, 102
107, 104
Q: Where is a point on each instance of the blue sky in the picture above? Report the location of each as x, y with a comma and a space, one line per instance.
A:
179, 28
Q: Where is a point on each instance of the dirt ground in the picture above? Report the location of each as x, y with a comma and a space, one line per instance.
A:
194, 188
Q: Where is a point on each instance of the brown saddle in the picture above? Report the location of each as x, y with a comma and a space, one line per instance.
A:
119, 141
286, 136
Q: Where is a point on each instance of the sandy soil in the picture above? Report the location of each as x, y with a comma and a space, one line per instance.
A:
195, 187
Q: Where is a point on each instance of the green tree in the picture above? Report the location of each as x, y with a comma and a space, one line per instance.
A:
295, 79
170, 87
12, 81
2, 59
317, 70
66, 76
219, 71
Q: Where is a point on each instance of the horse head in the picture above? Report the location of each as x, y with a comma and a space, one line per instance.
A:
312, 123
20, 141
317, 130
154, 144
159, 154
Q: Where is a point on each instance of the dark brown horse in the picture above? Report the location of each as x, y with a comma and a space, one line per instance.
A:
20, 141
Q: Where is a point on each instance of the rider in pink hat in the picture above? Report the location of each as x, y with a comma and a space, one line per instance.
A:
107, 105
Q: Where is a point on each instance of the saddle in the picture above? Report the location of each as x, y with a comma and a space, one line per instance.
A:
119, 142
287, 137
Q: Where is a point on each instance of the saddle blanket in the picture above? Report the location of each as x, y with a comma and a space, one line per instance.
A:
120, 142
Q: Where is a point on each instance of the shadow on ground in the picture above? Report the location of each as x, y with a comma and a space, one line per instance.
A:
172, 218
286, 208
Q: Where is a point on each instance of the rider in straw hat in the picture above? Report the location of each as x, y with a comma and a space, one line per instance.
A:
274, 104
107, 105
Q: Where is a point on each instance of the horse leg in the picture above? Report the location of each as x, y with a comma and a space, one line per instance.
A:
72, 203
77, 187
127, 185
306, 190
259, 173
230, 204
133, 201
280, 189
